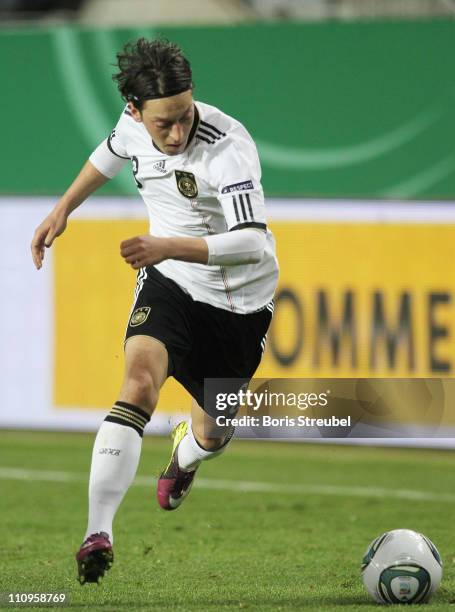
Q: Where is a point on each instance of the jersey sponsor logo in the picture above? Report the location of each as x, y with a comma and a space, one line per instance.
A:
160, 166
139, 316
238, 187
186, 184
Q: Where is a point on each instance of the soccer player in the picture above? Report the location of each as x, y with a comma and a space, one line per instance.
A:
207, 275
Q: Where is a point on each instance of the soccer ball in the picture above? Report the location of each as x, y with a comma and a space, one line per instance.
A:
401, 566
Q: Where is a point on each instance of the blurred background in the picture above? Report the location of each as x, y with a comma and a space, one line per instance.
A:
351, 105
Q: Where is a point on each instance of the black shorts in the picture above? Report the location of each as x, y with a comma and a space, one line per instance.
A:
202, 341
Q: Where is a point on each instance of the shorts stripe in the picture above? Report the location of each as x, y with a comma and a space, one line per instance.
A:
263, 343
140, 283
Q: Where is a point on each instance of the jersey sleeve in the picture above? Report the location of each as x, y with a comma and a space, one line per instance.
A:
237, 177
111, 155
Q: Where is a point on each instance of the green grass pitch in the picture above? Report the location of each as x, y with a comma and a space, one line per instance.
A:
271, 526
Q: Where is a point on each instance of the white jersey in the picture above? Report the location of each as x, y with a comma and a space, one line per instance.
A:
211, 188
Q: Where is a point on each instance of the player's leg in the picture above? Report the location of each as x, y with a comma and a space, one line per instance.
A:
230, 347
117, 449
195, 441
118, 443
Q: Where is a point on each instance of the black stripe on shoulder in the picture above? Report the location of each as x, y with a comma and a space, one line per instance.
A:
199, 137
127, 112
253, 224
109, 146
212, 127
209, 134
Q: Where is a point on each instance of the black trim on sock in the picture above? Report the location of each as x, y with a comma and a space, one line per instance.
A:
228, 439
111, 419
128, 415
134, 409
225, 443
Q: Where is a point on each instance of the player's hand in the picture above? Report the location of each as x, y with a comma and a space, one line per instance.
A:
52, 226
143, 251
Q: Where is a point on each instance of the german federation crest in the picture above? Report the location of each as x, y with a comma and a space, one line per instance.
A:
186, 184
139, 316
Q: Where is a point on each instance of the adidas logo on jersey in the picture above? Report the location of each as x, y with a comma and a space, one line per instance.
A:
160, 166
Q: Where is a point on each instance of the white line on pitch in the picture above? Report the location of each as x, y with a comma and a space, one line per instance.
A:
243, 486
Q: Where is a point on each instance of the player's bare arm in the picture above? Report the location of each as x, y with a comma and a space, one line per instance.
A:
148, 250
88, 180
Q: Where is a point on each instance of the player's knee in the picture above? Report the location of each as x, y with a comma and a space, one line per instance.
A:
142, 390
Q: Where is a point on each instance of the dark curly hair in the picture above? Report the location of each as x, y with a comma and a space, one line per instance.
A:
152, 69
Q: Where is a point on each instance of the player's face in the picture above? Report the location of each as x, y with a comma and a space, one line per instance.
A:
168, 121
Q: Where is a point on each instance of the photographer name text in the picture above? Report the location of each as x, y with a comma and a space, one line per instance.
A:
266, 420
